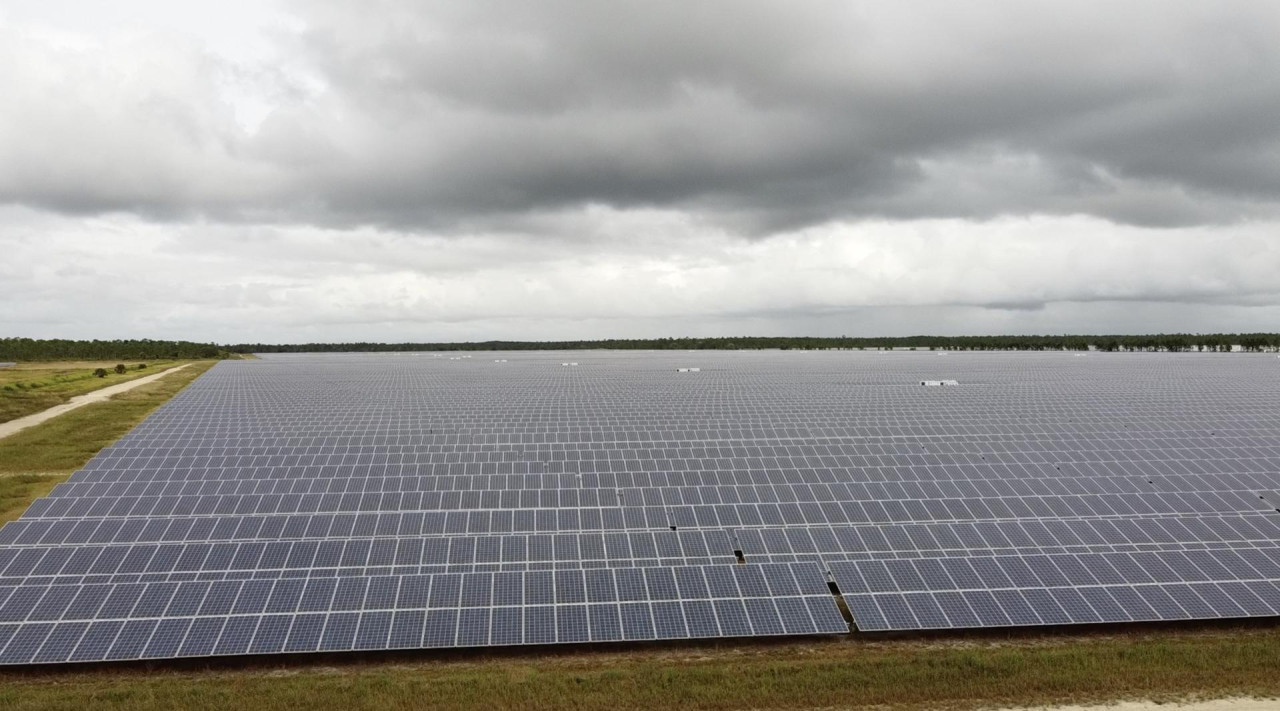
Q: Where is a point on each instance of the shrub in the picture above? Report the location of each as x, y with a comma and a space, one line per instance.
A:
120, 369
142, 366
100, 373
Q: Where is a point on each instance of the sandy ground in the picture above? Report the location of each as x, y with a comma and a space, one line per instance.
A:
78, 401
1215, 705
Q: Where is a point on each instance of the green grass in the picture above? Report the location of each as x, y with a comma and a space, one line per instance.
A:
17, 491
906, 674
33, 460
28, 388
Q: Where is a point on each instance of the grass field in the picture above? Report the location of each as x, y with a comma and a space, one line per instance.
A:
28, 388
838, 673
974, 671
35, 459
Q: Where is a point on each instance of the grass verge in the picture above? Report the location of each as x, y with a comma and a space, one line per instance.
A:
900, 674
34, 460
28, 388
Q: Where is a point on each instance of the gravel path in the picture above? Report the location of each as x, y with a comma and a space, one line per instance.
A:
78, 401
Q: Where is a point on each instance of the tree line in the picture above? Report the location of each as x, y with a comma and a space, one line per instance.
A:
1158, 342
28, 349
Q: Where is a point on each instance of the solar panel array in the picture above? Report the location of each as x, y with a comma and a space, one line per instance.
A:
307, 503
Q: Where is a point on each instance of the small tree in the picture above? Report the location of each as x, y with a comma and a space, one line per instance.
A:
100, 373
120, 369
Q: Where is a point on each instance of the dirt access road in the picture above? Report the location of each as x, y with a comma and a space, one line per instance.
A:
1212, 705
79, 401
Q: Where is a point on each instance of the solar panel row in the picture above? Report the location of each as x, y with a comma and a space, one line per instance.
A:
193, 618
614, 514
191, 493
1029, 607
1027, 536
601, 549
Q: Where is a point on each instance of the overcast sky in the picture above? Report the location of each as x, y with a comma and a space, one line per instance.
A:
404, 170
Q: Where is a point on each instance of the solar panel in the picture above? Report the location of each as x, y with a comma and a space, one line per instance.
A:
304, 503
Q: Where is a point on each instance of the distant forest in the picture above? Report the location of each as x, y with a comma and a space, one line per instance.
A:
27, 349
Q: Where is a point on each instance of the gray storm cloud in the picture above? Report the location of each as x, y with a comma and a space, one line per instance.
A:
764, 115
574, 169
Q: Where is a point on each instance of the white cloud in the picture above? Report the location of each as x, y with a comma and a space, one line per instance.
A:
120, 274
